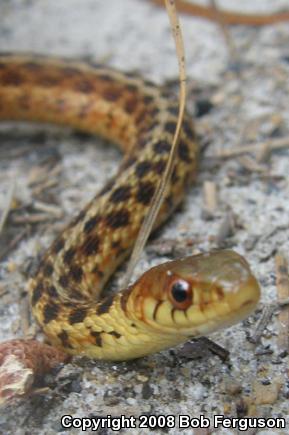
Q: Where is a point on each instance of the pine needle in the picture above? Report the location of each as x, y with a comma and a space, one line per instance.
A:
158, 197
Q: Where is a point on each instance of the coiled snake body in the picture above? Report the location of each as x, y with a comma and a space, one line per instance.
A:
169, 303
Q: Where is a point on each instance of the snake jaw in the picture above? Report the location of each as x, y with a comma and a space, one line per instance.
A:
235, 307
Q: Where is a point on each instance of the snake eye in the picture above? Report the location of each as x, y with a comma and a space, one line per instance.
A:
180, 294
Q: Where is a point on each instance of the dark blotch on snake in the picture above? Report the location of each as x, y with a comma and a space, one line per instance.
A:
97, 336
64, 281
124, 297
148, 99
149, 83
50, 312
76, 273
84, 86
111, 94
118, 219
130, 105
120, 194
174, 175
78, 218
128, 162
105, 78
68, 255
142, 168
105, 305
114, 334
12, 78
52, 292
145, 192
162, 147
141, 117
131, 87
98, 272
58, 245
64, 338
37, 293
70, 71
159, 166
170, 127
47, 81
47, 270
32, 66
109, 185
188, 129
183, 152
91, 223
91, 245
77, 315
174, 110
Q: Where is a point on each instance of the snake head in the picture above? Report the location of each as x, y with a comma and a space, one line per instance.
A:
196, 295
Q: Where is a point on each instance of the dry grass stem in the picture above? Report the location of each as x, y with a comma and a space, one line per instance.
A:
267, 146
282, 284
7, 205
229, 18
210, 197
226, 33
158, 196
265, 318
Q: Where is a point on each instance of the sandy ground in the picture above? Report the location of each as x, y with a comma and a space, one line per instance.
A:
232, 109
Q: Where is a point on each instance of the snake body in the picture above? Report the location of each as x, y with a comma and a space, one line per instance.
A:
167, 304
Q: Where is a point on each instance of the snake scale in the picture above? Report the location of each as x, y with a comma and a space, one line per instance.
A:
169, 303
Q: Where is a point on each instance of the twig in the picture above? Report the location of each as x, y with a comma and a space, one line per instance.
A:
48, 208
173, 247
7, 205
24, 314
13, 243
159, 194
282, 284
43, 186
226, 33
250, 164
265, 318
226, 228
199, 347
210, 197
269, 145
42, 174
230, 18
215, 348
32, 219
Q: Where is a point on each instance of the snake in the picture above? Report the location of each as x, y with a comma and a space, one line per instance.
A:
170, 303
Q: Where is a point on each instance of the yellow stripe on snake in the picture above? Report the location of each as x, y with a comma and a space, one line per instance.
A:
168, 304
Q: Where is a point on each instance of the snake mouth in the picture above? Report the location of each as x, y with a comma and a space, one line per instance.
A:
235, 307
